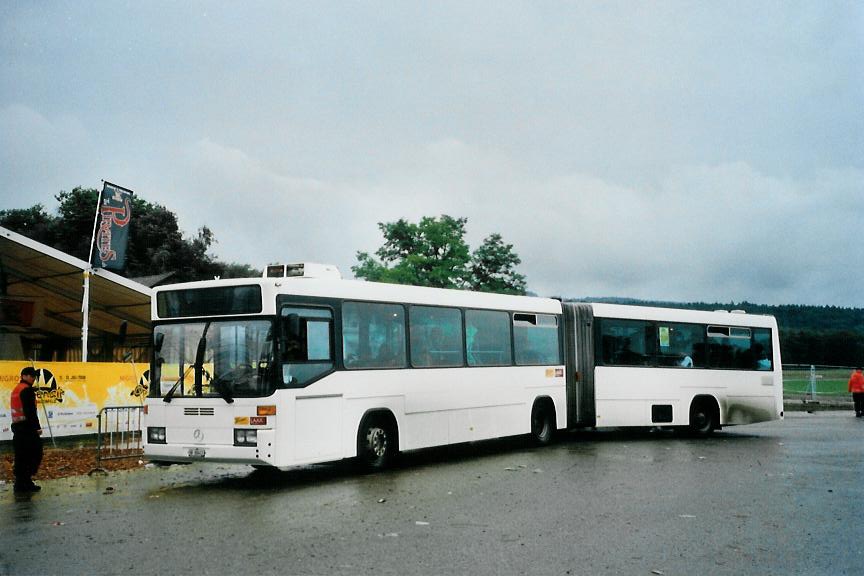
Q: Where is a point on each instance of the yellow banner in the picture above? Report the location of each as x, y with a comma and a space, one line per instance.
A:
72, 393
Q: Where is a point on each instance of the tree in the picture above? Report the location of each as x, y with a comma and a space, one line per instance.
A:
76, 217
431, 253
156, 243
493, 268
33, 222
434, 253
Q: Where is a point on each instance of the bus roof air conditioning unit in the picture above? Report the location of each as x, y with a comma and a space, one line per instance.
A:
303, 270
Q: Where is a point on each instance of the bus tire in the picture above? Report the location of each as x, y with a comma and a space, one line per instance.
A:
704, 416
543, 422
377, 441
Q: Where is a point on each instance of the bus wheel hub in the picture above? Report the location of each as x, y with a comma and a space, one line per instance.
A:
377, 441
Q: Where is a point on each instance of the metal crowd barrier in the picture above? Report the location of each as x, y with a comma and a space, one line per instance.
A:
119, 433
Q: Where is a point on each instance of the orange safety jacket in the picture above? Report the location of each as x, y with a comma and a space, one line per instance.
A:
16, 404
856, 382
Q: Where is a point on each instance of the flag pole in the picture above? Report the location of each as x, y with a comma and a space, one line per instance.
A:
85, 303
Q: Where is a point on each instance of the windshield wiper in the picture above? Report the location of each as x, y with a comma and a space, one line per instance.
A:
198, 365
199, 370
199, 361
170, 393
215, 383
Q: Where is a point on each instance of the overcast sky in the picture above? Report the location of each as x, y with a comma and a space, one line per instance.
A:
676, 151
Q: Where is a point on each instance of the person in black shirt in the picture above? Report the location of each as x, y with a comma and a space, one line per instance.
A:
26, 432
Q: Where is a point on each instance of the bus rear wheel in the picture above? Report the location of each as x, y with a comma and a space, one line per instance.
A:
703, 418
542, 423
377, 443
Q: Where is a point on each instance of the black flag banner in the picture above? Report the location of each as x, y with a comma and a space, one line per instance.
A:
112, 234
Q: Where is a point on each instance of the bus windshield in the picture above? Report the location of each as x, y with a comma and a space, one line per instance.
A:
226, 358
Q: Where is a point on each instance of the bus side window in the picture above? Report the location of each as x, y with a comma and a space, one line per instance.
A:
487, 338
436, 337
535, 339
681, 345
373, 335
306, 347
625, 342
763, 350
729, 348
318, 340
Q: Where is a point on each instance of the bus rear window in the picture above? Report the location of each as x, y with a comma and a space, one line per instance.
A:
218, 301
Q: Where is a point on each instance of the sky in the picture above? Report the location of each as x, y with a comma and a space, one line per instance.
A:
679, 151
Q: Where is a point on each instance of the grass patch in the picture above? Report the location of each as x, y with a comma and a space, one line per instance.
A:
828, 382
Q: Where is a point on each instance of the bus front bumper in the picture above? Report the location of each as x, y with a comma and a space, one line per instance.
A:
262, 454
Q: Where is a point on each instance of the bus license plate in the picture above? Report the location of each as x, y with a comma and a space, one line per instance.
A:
197, 452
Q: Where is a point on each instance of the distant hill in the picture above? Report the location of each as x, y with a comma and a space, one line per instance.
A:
829, 335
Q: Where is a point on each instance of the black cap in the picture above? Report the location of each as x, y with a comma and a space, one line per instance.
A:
28, 371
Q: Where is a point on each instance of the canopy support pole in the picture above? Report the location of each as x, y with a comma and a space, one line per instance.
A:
85, 316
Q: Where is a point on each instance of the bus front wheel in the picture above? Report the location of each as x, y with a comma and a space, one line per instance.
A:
542, 422
377, 443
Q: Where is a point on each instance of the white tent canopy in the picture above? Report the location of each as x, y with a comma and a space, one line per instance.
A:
50, 284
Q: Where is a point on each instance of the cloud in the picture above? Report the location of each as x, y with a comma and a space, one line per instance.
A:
723, 232
263, 216
39, 153
694, 152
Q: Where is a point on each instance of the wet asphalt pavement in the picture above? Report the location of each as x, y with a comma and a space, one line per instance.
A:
777, 498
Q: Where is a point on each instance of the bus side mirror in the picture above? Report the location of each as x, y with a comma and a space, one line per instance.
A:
289, 336
158, 341
293, 326
155, 376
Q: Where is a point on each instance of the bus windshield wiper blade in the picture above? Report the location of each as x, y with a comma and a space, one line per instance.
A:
198, 365
200, 352
170, 393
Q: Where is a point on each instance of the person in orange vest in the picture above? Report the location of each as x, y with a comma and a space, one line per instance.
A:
856, 387
26, 432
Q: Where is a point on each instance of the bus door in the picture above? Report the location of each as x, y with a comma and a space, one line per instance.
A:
307, 352
579, 358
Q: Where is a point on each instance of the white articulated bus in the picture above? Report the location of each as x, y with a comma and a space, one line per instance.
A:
301, 367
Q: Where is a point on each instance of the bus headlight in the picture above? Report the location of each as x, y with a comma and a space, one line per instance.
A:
244, 437
155, 435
